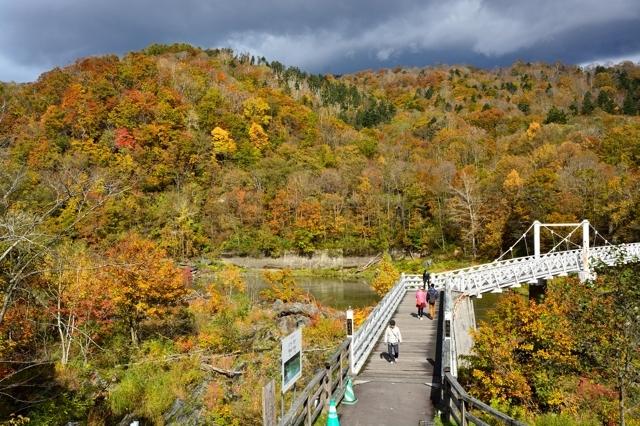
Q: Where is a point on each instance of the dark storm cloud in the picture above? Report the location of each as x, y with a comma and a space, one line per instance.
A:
326, 36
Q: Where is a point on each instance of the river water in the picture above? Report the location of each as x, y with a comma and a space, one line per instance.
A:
484, 305
330, 291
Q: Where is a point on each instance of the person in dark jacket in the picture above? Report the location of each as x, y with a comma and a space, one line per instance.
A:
426, 278
432, 297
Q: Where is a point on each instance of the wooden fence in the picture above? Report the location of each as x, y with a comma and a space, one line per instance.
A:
328, 383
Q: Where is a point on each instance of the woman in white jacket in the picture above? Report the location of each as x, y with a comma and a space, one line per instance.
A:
392, 338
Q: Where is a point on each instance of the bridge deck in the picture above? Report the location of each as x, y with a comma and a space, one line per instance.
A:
397, 394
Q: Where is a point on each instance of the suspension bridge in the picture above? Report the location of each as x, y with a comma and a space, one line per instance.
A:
406, 393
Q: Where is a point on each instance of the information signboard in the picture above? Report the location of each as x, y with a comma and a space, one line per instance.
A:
291, 359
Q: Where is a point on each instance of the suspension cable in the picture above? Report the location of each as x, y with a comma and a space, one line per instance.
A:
567, 238
510, 249
597, 234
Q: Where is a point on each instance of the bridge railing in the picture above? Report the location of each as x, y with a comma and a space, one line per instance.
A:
464, 409
353, 353
483, 278
326, 384
367, 335
456, 404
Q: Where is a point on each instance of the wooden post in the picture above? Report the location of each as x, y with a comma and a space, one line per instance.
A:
327, 385
463, 412
309, 422
446, 401
269, 404
340, 371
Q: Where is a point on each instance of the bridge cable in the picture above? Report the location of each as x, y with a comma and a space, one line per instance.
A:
565, 239
598, 234
510, 249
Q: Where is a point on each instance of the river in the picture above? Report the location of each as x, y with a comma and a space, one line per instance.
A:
330, 291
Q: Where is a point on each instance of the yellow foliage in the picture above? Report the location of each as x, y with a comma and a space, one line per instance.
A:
217, 302
257, 110
223, 143
386, 276
324, 332
258, 136
230, 280
534, 128
545, 155
282, 287
360, 315
513, 181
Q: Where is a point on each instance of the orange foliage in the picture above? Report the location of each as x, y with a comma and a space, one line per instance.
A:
143, 281
124, 139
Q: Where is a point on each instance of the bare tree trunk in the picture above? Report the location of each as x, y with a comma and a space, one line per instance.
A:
134, 336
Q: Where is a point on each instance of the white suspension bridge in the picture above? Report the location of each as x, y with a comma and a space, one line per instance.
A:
431, 348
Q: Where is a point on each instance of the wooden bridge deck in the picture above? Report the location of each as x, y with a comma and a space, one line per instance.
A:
397, 394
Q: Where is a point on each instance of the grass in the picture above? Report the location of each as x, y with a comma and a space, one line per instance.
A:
150, 388
552, 419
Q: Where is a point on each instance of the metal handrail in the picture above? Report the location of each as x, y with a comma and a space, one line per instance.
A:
367, 335
492, 276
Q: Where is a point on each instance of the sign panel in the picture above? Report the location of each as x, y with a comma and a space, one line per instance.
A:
291, 359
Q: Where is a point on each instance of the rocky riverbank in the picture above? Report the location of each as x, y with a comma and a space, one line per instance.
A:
319, 260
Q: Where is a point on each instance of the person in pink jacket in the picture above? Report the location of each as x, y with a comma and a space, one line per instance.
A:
421, 301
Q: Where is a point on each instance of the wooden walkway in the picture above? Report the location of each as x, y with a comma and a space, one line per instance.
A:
400, 393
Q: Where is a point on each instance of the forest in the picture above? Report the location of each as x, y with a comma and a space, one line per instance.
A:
126, 181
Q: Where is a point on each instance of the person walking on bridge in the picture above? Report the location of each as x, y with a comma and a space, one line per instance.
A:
393, 338
421, 301
432, 296
426, 278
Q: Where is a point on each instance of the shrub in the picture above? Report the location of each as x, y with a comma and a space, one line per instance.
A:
386, 276
283, 287
556, 115
149, 387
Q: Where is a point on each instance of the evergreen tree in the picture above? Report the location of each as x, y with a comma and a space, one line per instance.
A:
574, 108
556, 115
587, 104
605, 102
629, 106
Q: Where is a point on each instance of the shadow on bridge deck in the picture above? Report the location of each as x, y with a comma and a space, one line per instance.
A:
400, 393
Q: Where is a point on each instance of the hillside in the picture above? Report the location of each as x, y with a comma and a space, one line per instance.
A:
358, 163
115, 170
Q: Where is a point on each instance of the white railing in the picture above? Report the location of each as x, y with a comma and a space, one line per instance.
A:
493, 276
366, 337
475, 280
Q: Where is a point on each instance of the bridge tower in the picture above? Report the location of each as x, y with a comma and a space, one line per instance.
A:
538, 290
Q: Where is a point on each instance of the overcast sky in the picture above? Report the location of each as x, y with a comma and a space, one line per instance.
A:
323, 36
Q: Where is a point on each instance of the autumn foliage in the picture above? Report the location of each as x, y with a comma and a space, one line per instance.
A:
144, 282
386, 276
115, 170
